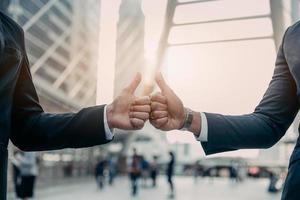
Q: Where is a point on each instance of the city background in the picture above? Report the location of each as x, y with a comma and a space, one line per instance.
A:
82, 53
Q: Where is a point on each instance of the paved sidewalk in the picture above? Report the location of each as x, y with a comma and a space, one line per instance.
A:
186, 189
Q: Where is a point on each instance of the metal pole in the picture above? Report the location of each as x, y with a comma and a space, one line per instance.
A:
277, 21
295, 6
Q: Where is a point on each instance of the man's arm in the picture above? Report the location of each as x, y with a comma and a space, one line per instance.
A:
261, 129
35, 130
269, 122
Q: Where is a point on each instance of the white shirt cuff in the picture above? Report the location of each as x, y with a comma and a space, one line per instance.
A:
203, 137
109, 133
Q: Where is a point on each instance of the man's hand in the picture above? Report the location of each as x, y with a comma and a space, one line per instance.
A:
167, 111
128, 112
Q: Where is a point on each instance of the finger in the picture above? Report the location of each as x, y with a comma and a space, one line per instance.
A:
144, 108
142, 100
137, 123
159, 98
155, 106
135, 83
161, 82
139, 115
159, 114
158, 123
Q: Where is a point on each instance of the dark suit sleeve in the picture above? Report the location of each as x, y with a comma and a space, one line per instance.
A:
35, 130
264, 127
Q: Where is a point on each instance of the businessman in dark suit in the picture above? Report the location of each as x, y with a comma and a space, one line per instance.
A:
23, 121
260, 129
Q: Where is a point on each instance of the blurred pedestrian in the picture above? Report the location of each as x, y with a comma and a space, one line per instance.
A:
135, 172
273, 178
170, 173
16, 173
197, 170
145, 166
213, 172
29, 171
99, 173
154, 171
112, 170
237, 171
234, 171
68, 169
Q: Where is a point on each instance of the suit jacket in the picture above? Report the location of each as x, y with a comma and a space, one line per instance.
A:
22, 119
271, 118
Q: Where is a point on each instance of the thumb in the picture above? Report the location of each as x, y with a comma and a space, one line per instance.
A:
161, 82
135, 83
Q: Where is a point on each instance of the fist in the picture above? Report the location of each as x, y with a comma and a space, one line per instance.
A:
127, 111
167, 111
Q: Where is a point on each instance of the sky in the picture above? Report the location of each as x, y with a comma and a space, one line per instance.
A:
227, 78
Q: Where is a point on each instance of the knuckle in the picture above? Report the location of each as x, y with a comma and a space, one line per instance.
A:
153, 122
140, 125
136, 108
133, 108
131, 114
158, 114
153, 114
154, 105
148, 108
134, 114
156, 125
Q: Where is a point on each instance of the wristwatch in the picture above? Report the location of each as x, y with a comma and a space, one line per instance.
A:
188, 119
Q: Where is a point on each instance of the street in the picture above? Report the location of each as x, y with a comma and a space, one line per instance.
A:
186, 189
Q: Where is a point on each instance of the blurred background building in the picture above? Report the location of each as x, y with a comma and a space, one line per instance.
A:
199, 45
130, 43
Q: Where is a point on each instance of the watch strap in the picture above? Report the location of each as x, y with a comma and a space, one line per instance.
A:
188, 119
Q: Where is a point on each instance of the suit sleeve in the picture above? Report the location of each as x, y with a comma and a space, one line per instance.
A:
35, 130
266, 125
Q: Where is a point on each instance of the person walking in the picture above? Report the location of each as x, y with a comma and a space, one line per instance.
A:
154, 171
16, 173
170, 173
145, 170
99, 173
135, 172
28, 172
112, 171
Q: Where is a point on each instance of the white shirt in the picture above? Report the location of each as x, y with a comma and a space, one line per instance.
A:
109, 134
203, 137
